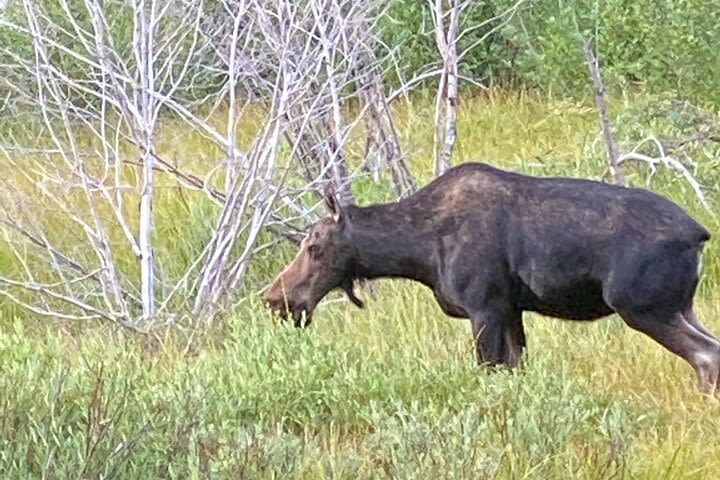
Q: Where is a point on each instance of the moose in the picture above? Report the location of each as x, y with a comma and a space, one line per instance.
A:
492, 244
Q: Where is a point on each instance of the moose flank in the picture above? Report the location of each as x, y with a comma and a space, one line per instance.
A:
492, 244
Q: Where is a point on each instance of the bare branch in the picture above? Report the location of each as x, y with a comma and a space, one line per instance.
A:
667, 161
600, 100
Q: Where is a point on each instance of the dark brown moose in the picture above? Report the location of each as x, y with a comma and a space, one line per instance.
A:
492, 244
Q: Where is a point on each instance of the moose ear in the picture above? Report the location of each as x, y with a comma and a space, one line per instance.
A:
333, 204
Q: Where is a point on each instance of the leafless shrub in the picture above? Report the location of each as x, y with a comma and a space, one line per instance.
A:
94, 162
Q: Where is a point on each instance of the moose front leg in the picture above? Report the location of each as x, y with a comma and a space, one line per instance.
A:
499, 337
515, 341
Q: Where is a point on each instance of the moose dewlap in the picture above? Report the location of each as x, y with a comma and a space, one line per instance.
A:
492, 244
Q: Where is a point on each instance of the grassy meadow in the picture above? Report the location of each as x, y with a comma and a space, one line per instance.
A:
391, 391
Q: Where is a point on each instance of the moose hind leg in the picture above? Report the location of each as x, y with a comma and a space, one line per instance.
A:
676, 334
689, 316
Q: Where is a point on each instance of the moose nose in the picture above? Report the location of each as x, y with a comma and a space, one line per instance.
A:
273, 298
270, 297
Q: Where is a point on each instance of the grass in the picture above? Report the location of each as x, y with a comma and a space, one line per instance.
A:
389, 391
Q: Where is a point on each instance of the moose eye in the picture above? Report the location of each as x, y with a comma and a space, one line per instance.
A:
314, 251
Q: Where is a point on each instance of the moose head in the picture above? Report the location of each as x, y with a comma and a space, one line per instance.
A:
324, 262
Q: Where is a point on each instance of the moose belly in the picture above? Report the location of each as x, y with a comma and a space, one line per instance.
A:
581, 300
449, 308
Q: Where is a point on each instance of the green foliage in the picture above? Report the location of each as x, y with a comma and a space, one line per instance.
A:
661, 46
278, 401
408, 29
68, 24
664, 46
69, 36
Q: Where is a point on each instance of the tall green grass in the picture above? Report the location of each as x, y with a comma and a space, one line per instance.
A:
389, 391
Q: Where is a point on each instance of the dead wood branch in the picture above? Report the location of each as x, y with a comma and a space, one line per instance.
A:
601, 102
667, 161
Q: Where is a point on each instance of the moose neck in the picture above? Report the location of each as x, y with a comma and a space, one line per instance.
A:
389, 245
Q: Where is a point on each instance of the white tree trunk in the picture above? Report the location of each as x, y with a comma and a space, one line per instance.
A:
147, 276
144, 37
447, 97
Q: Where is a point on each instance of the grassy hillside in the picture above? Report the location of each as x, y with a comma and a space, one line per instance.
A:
389, 391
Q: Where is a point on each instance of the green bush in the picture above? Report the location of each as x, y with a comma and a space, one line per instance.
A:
660, 46
408, 30
663, 46
279, 402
